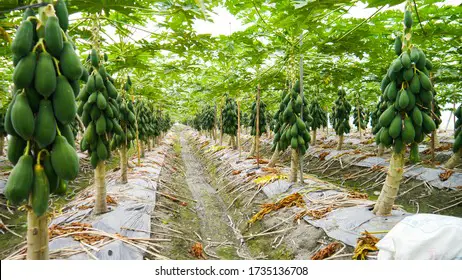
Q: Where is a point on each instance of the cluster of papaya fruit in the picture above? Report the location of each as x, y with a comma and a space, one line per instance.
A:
318, 114
230, 117
146, 120
261, 118
408, 92
99, 110
291, 130
127, 121
207, 118
341, 114
375, 115
458, 128
46, 81
360, 117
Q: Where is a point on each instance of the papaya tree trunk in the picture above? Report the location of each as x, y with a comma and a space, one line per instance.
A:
414, 155
294, 164
123, 163
274, 157
254, 145
340, 142
380, 150
455, 160
390, 188
100, 187
142, 147
149, 144
233, 142
37, 236
313, 137
2, 143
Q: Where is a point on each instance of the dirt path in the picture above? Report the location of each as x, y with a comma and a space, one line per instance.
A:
215, 222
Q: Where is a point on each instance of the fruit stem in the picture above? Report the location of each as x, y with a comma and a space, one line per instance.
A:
39, 43
57, 130
64, 36
26, 150
56, 61
40, 154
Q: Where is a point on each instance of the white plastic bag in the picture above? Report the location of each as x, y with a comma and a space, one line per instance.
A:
423, 237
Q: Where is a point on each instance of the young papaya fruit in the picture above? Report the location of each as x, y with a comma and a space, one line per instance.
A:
62, 14
22, 117
45, 75
71, 67
62, 187
101, 101
40, 191
24, 39
53, 36
66, 131
395, 127
408, 132
45, 124
101, 125
101, 150
20, 181
408, 19
64, 101
16, 146
398, 45
23, 74
64, 159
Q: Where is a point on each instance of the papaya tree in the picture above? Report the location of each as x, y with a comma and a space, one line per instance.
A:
145, 117
128, 125
42, 146
375, 115
340, 117
456, 158
253, 123
229, 115
319, 119
293, 132
208, 120
277, 128
406, 120
99, 112
360, 119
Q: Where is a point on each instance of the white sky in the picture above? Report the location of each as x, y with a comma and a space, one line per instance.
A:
222, 19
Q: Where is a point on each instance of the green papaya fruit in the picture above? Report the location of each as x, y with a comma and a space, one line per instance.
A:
385, 137
51, 174
111, 90
398, 45
22, 117
20, 180
90, 133
408, 74
294, 142
23, 74
414, 54
405, 60
408, 19
395, 127
398, 146
64, 159
101, 150
62, 187
426, 96
101, 101
85, 75
71, 67
408, 132
66, 131
391, 91
24, 39
403, 99
94, 58
45, 124
420, 64
428, 64
16, 146
95, 113
40, 191
62, 14
427, 122
99, 83
417, 116
425, 82
45, 75
101, 125
387, 116
53, 36
415, 85
64, 101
